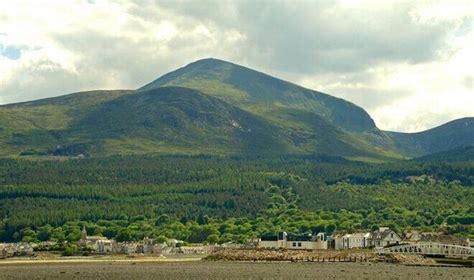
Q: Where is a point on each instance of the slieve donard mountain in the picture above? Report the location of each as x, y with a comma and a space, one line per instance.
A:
214, 107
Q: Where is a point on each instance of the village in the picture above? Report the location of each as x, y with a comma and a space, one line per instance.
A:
382, 240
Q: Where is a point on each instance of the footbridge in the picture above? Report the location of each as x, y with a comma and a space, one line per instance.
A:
430, 249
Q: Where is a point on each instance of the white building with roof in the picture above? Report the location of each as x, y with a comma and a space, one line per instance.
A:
302, 242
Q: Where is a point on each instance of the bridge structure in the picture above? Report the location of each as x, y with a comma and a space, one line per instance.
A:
430, 249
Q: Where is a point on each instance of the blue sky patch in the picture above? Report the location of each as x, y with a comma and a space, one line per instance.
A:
10, 52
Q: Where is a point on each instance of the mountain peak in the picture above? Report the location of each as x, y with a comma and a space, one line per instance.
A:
263, 94
203, 64
209, 60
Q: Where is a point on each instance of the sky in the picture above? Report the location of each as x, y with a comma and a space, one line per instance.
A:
408, 63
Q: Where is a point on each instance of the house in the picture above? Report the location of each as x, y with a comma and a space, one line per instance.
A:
104, 246
344, 240
379, 238
148, 247
15, 249
273, 241
126, 248
90, 241
411, 237
383, 237
299, 242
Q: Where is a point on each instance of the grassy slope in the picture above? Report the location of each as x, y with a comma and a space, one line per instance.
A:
170, 120
32, 125
163, 121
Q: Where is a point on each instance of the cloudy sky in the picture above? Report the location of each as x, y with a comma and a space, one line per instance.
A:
408, 63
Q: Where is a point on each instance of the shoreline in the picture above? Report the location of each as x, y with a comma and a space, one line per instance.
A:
178, 269
99, 260
111, 260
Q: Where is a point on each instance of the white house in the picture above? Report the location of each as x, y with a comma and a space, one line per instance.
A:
379, 238
104, 246
383, 237
302, 242
349, 240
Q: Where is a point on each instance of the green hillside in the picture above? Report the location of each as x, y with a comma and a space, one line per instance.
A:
30, 127
166, 120
175, 120
212, 107
449, 136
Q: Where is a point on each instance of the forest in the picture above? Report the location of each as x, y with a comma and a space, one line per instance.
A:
221, 199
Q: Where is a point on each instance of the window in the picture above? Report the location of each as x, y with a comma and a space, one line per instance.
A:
294, 244
299, 244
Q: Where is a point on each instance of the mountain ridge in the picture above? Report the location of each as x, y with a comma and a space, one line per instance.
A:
453, 134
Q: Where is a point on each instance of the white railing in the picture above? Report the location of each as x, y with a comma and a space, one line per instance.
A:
429, 248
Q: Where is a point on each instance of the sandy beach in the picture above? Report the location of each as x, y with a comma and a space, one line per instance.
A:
192, 268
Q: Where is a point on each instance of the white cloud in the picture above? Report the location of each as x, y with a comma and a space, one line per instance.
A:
407, 97
406, 63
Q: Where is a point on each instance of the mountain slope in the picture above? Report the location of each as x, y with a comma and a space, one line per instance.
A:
457, 154
454, 134
29, 127
173, 119
262, 94
166, 120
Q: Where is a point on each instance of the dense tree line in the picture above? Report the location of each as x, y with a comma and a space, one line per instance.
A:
211, 199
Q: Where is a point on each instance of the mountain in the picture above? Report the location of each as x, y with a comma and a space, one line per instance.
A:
454, 134
212, 107
262, 94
